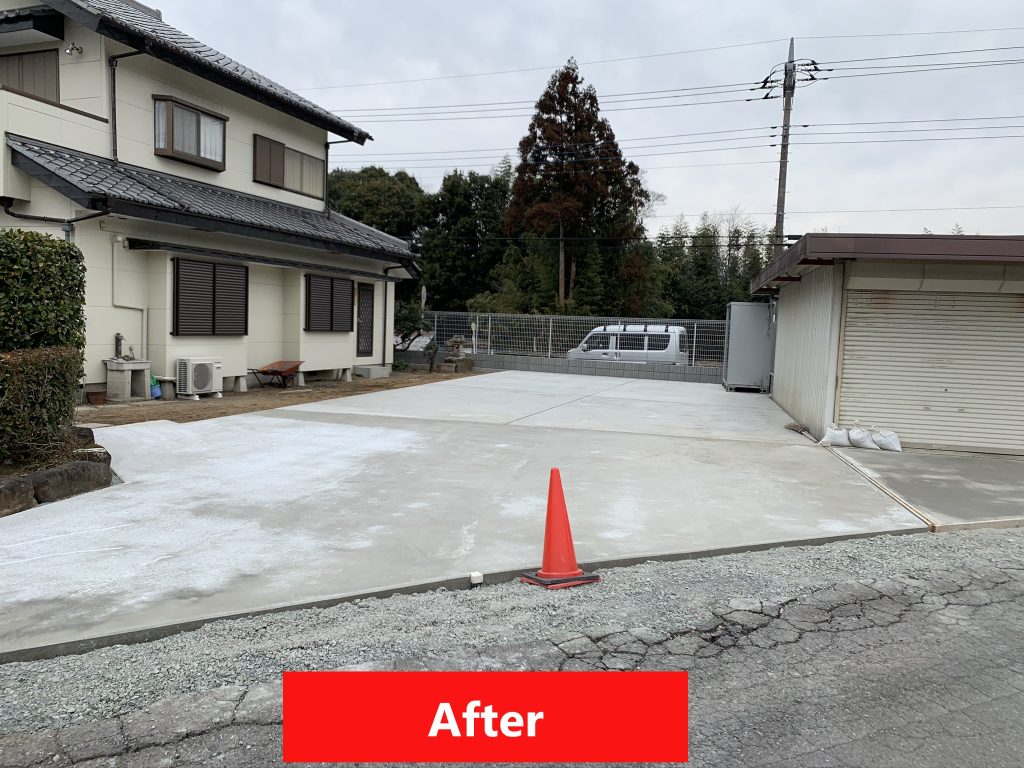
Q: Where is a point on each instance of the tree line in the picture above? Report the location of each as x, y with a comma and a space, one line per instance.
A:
562, 231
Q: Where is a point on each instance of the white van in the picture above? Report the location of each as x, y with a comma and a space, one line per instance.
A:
635, 344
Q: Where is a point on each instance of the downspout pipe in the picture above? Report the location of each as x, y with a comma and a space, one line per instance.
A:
67, 225
118, 242
384, 347
112, 63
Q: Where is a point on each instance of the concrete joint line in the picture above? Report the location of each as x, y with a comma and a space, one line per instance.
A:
562, 405
933, 526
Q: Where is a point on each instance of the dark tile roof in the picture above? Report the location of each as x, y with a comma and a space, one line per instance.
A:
21, 13
96, 182
129, 24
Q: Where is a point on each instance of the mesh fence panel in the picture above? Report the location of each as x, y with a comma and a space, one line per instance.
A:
553, 336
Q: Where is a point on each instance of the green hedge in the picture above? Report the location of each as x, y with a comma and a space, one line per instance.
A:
37, 402
42, 292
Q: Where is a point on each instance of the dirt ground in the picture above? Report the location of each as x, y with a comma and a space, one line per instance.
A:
256, 399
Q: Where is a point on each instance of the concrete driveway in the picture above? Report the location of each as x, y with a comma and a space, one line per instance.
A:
380, 491
953, 490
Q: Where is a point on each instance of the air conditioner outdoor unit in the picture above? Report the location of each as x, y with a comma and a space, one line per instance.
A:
198, 376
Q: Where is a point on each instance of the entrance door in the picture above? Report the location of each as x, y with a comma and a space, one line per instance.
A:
364, 331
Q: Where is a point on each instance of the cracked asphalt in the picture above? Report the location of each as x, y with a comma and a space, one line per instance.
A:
923, 668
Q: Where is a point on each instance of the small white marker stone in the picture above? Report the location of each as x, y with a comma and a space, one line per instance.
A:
475, 577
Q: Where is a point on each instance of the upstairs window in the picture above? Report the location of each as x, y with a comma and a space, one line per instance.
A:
33, 74
287, 168
185, 132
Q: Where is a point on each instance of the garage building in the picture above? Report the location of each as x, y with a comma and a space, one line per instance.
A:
921, 334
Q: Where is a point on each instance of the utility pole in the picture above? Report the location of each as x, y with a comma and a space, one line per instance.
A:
788, 89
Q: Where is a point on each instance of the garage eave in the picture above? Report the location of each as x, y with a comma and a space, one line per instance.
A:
824, 248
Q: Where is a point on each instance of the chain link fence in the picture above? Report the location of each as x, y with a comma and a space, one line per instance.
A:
541, 342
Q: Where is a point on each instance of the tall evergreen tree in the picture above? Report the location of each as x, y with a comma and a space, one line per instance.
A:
572, 184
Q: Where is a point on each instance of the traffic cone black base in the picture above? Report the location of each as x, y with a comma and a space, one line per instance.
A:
572, 581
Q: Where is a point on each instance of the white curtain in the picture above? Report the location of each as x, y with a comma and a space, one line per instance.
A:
212, 138
312, 176
186, 131
292, 170
160, 124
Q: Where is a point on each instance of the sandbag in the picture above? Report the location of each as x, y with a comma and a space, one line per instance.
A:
886, 439
834, 436
861, 438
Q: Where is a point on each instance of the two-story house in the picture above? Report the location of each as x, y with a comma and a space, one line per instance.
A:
196, 190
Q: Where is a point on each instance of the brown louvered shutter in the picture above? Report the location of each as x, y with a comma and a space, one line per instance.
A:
32, 73
318, 303
231, 300
261, 158
268, 161
341, 305
277, 163
193, 298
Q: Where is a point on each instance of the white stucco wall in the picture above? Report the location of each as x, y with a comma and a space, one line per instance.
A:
807, 340
140, 77
82, 86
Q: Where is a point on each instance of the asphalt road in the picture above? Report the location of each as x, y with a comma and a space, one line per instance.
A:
923, 669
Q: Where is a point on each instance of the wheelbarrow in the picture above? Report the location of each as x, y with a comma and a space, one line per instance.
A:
280, 371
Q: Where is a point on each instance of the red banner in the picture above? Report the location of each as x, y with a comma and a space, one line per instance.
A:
505, 717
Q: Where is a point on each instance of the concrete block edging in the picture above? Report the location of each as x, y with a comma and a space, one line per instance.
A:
149, 634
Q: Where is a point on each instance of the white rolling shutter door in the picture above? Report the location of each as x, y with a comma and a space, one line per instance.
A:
944, 370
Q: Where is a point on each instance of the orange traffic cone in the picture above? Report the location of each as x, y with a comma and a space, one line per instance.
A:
560, 568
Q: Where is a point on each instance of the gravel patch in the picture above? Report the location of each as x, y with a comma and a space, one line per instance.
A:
659, 596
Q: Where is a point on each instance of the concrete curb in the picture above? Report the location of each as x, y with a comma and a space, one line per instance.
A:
149, 634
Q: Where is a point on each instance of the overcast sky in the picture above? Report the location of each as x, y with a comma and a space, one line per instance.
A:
315, 46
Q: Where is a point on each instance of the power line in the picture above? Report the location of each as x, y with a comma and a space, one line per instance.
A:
571, 162
1004, 62
546, 68
918, 120
429, 154
919, 138
357, 110
472, 110
645, 169
387, 112
938, 66
919, 55
859, 210
662, 55
910, 34
598, 148
530, 114
473, 114
597, 160
574, 144
534, 101
914, 130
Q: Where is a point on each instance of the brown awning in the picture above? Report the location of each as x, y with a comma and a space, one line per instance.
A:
822, 248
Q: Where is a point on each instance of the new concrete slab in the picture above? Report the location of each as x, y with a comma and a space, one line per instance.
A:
956, 490
373, 492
